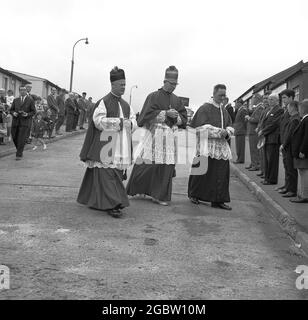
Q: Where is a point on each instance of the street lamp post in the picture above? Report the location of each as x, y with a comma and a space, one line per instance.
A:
130, 95
72, 65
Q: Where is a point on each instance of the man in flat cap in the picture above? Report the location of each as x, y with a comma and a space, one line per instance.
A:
106, 151
22, 110
161, 115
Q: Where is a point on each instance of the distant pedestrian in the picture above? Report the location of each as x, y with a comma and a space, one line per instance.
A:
261, 139
252, 123
70, 112
39, 126
61, 105
22, 110
76, 112
290, 170
3, 116
90, 109
270, 131
240, 129
229, 108
53, 107
287, 96
82, 103
300, 153
9, 100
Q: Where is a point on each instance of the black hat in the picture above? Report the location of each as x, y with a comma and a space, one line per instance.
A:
116, 74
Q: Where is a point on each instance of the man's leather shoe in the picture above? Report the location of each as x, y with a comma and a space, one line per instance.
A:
260, 174
221, 206
299, 200
248, 167
194, 200
267, 183
115, 213
289, 195
283, 191
253, 169
236, 162
18, 158
280, 188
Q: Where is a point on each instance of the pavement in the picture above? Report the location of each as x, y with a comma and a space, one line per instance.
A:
9, 147
292, 217
58, 249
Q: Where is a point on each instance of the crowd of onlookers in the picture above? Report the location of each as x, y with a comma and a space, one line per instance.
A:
275, 124
52, 114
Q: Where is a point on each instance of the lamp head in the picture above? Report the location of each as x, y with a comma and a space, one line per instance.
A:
87, 41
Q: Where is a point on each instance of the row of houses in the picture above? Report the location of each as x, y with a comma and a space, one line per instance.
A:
13, 80
295, 78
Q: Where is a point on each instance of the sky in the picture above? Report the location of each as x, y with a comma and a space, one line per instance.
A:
234, 42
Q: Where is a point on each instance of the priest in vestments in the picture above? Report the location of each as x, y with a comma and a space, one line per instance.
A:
161, 116
213, 185
107, 150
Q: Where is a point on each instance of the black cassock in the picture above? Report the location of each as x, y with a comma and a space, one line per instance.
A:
213, 186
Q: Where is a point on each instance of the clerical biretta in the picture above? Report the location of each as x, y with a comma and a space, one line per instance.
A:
213, 185
107, 149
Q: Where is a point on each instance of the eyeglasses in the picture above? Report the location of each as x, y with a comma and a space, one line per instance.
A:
173, 83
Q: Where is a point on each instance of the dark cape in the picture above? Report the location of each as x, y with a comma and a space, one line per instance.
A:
213, 186
102, 188
155, 180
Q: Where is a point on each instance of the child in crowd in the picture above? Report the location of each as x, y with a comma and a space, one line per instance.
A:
47, 118
39, 126
3, 123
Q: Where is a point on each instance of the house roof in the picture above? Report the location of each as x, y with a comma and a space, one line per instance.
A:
278, 78
43, 79
11, 74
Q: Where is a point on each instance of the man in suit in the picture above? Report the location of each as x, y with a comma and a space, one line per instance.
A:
252, 123
240, 129
299, 145
290, 171
270, 130
82, 103
60, 100
53, 107
229, 108
70, 112
287, 96
22, 110
77, 111
266, 108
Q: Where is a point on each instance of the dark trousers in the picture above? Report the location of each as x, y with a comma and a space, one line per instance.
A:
262, 159
271, 162
284, 161
82, 118
20, 136
75, 122
60, 122
52, 125
254, 152
69, 122
240, 147
291, 172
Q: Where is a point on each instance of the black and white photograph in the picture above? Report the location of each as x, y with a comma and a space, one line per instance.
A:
154, 151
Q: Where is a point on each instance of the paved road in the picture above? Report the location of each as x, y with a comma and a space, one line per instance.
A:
58, 249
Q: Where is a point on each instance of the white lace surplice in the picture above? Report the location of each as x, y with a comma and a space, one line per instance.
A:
158, 144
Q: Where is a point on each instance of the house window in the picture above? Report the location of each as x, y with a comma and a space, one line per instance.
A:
5, 82
296, 90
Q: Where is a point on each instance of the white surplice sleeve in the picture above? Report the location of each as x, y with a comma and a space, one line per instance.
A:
101, 122
132, 118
